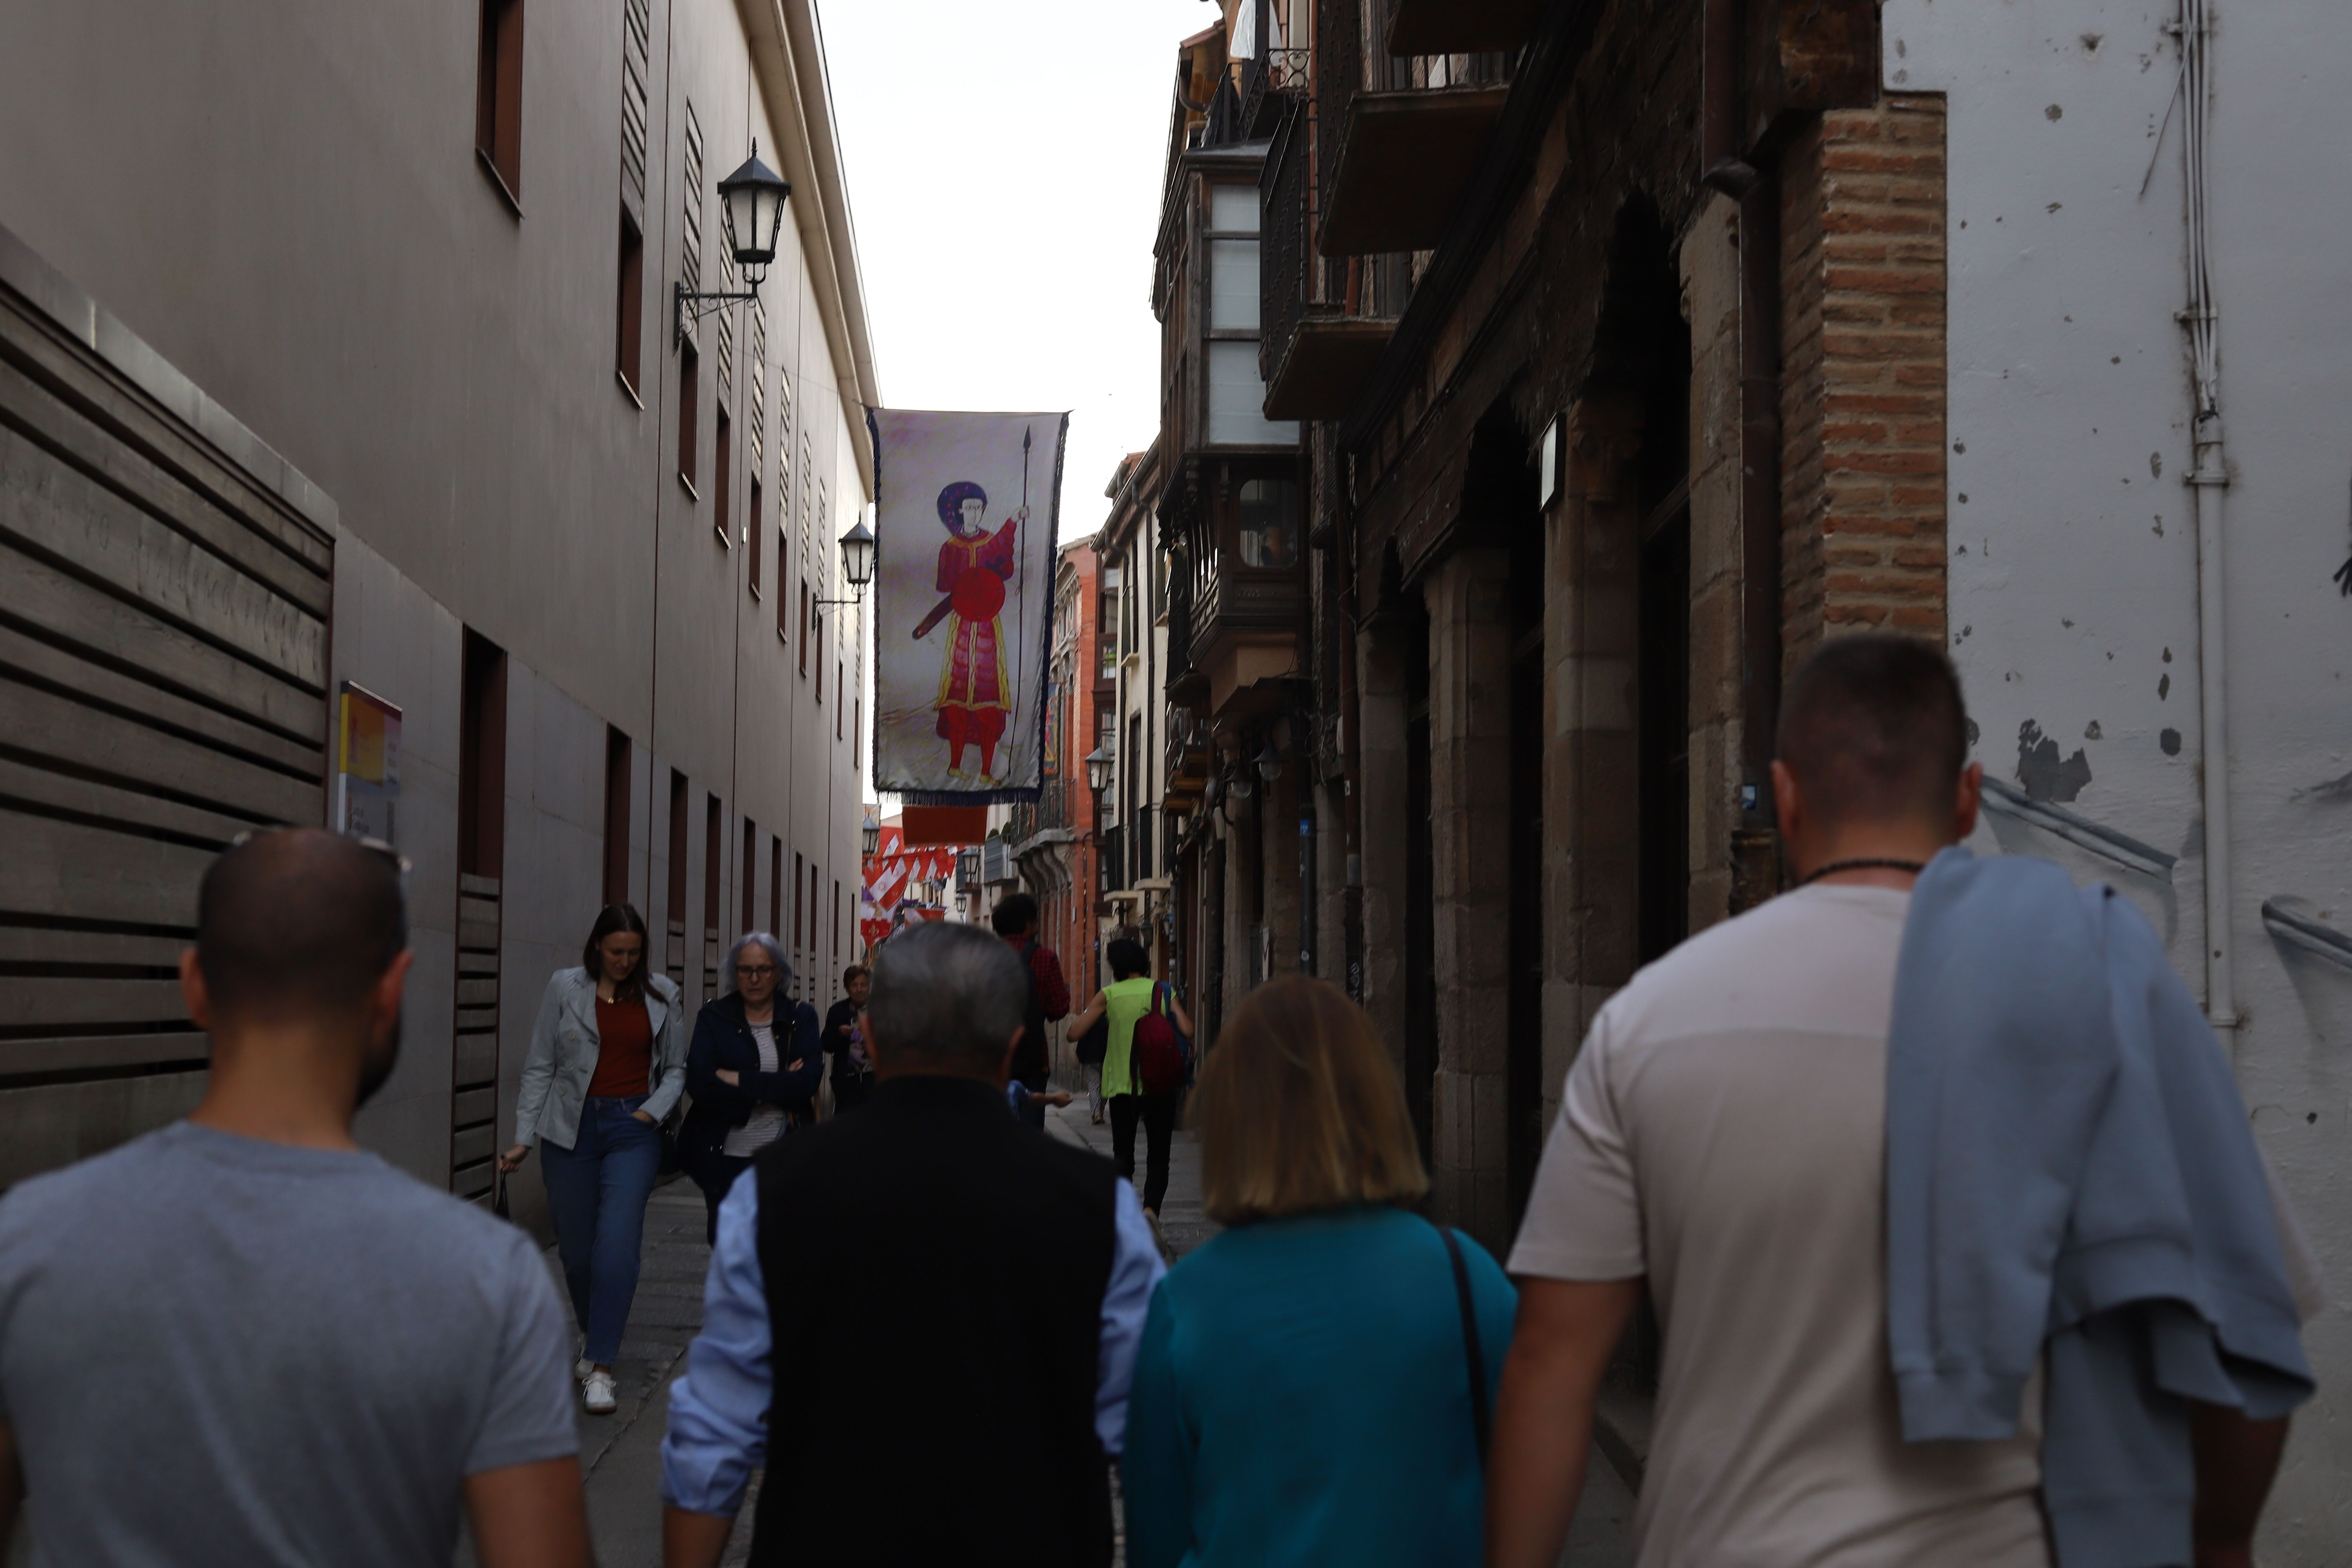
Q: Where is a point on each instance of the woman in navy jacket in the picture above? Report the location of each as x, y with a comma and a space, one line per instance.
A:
755, 1063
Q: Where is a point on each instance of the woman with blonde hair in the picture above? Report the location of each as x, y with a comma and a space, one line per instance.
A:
1313, 1384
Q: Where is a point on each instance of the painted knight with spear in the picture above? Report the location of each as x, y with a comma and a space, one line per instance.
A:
975, 691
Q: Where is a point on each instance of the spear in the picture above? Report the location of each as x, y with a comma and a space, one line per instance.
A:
1020, 588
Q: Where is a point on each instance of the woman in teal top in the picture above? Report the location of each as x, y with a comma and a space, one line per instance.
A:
1303, 1390
1132, 993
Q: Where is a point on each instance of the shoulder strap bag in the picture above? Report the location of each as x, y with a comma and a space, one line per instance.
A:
1471, 1349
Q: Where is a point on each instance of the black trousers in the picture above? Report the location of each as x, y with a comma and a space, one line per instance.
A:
718, 1175
1158, 1114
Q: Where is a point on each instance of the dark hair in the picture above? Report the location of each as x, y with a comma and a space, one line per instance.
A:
298, 923
1127, 959
619, 919
849, 976
1874, 726
1015, 913
947, 991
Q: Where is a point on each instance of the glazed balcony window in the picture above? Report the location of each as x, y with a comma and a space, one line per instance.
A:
1268, 520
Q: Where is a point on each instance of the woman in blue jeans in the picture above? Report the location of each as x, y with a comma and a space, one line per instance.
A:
606, 1063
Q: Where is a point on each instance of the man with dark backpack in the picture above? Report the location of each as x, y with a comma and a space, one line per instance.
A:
1146, 1063
1015, 919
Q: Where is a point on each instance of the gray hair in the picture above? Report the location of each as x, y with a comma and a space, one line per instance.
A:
948, 990
775, 950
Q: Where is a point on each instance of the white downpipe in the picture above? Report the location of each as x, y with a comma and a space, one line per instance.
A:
2209, 479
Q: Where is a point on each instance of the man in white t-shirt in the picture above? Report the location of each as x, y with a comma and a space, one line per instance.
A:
1721, 1142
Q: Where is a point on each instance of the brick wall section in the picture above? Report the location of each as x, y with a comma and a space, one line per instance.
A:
1863, 249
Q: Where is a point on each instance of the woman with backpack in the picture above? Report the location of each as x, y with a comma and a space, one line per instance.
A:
1142, 1077
1312, 1384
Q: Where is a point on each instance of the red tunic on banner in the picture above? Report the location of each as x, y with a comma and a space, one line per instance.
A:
975, 694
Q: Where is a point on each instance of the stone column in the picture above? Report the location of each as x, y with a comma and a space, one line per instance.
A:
1592, 768
1380, 708
1470, 798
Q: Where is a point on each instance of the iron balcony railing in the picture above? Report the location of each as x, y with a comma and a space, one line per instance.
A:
1273, 76
1291, 276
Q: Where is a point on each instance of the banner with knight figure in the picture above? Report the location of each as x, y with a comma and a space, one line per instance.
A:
965, 510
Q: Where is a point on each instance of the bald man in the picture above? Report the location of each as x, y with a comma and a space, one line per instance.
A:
240, 1340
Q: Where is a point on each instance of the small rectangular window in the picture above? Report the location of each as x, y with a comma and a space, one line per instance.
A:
617, 817
754, 532
497, 105
775, 886
722, 470
750, 872
784, 600
628, 304
1233, 208
689, 410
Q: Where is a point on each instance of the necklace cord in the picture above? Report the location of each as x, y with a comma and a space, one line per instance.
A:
1867, 864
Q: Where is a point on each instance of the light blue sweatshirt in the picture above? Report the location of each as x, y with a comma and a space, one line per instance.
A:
2069, 1172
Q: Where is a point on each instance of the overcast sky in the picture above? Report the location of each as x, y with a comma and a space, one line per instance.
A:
1003, 165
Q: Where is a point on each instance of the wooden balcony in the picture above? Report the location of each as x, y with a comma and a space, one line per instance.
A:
1406, 159
1245, 629
1189, 763
1460, 26
1324, 366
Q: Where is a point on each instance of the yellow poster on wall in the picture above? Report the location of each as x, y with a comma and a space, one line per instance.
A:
367, 765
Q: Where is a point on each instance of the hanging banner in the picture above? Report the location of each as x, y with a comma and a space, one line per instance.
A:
965, 513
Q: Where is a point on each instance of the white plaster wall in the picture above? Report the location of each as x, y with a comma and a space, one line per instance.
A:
2073, 555
318, 248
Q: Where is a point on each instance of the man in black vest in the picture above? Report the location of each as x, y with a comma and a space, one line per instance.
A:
1015, 919
995, 1281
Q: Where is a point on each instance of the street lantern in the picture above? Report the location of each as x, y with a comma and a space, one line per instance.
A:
1239, 785
1269, 763
873, 835
857, 555
751, 205
751, 208
1097, 770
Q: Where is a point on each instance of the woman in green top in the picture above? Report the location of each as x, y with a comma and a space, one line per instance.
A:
1124, 1000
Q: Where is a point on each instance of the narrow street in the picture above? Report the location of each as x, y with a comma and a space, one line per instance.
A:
621, 1453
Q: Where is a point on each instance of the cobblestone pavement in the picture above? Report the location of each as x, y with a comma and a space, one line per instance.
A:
621, 1453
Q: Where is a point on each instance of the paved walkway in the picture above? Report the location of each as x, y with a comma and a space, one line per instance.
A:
621, 1453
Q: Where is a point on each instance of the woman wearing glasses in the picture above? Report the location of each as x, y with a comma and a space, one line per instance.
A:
606, 1064
754, 1061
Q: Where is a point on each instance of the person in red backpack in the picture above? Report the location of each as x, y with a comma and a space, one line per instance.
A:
1145, 1065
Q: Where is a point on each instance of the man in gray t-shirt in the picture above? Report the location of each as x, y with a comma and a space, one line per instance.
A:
241, 1341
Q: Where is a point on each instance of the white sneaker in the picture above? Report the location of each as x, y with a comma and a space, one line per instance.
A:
582, 1368
596, 1394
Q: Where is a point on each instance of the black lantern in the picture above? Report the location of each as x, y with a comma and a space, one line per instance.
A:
1097, 770
1269, 763
1239, 785
751, 208
856, 564
873, 835
751, 205
857, 555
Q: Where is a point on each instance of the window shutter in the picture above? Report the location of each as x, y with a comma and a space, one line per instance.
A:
635, 62
689, 267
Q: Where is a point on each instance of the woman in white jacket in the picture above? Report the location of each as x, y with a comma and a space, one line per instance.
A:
606, 1064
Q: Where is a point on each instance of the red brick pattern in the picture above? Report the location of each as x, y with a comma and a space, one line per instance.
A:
1862, 253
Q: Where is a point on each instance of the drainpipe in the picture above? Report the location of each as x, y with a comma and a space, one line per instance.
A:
2209, 479
1755, 843
1755, 851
